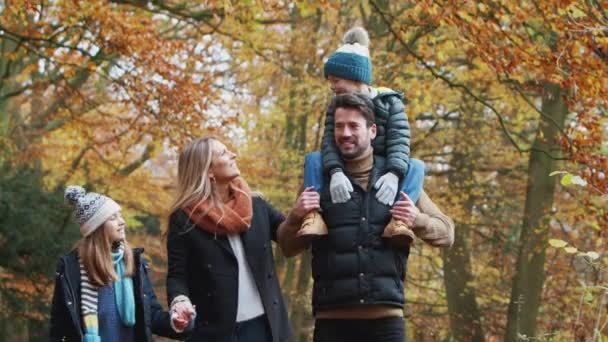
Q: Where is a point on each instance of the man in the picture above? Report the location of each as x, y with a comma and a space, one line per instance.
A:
349, 70
358, 274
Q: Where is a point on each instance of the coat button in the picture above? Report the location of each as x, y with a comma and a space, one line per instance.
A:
361, 275
361, 300
363, 218
69, 303
360, 247
208, 265
269, 275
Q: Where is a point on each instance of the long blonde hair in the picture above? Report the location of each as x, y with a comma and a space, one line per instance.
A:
194, 186
95, 252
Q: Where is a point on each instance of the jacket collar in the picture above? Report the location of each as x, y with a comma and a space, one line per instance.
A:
72, 268
382, 92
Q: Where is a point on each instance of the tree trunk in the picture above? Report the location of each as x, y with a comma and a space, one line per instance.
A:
465, 318
529, 273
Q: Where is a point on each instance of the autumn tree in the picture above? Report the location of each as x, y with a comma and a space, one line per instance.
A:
522, 44
499, 94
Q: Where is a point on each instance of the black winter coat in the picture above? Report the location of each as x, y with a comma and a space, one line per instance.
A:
392, 139
203, 267
353, 265
66, 320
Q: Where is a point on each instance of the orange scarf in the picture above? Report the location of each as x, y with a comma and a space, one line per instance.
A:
234, 217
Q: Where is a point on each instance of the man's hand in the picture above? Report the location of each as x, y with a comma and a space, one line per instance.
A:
387, 186
340, 187
288, 234
308, 200
405, 210
181, 315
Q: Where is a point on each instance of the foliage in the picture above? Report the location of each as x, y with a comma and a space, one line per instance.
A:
35, 229
104, 93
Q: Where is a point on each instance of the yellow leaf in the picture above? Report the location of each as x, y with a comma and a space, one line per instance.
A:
557, 243
592, 255
575, 12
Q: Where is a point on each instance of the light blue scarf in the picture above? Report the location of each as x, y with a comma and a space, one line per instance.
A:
123, 295
123, 290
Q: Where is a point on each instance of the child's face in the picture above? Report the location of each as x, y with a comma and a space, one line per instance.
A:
343, 86
115, 227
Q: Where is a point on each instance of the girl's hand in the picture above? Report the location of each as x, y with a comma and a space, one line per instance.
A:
181, 315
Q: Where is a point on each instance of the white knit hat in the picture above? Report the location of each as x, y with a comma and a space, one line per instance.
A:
91, 209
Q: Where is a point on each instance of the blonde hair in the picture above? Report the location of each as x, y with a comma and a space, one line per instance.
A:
194, 186
95, 252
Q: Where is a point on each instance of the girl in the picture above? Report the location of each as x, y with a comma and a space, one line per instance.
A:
220, 256
102, 291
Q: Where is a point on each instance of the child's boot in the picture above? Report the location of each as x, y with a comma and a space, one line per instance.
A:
399, 233
313, 224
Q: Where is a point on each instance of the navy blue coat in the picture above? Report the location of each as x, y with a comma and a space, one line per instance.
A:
66, 320
353, 265
203, 267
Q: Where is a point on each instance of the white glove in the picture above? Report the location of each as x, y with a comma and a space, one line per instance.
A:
340, 187
387, 186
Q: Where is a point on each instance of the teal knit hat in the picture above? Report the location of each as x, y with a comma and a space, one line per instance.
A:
351, 61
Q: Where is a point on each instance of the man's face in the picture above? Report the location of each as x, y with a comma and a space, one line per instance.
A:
351, 133
343, 86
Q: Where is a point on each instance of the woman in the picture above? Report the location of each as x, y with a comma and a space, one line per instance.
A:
102, 291
219, 251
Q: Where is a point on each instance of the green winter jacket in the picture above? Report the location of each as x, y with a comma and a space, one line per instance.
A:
392, 139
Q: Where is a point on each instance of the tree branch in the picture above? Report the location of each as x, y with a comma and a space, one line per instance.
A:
448, 81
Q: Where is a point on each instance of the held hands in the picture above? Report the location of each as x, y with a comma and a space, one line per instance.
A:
387, 186
405, 210
182, 313
340, 187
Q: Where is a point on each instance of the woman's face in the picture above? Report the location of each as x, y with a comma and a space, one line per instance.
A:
115, 227
223, 163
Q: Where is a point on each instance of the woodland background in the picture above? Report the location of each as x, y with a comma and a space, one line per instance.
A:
500, 95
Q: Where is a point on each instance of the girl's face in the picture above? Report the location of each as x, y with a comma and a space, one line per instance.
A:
223, 163
115, 227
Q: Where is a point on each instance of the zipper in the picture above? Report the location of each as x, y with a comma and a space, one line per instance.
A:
72, 293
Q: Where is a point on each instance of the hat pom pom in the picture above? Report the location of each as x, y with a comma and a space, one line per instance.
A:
73, 193
356, 35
